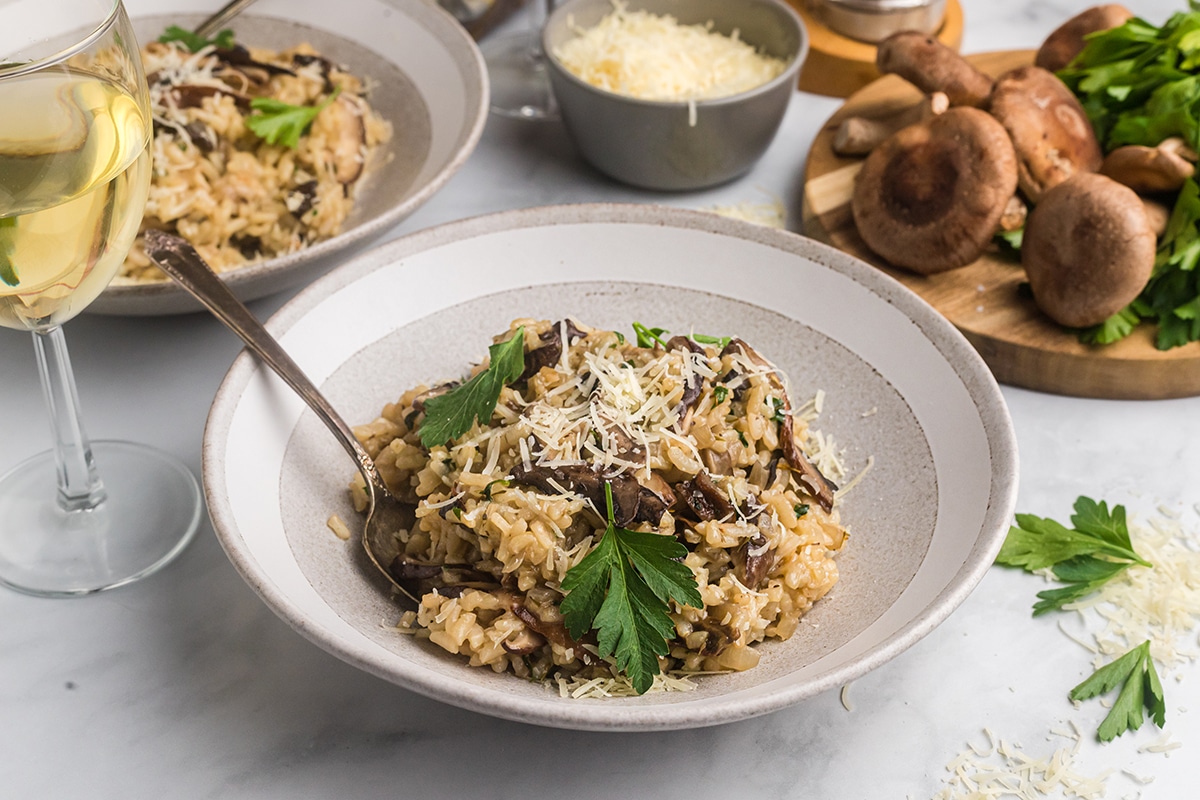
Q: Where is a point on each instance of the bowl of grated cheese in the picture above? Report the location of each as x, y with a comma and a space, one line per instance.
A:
673, 96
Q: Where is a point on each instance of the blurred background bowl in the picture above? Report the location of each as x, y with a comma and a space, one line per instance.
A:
652, 144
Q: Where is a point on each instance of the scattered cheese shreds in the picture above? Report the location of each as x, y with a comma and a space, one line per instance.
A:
1161, 604
651, 57
1003, 769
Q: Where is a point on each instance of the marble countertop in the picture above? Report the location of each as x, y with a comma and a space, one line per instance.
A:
186, 685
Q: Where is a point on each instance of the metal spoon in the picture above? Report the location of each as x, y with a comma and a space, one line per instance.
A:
385, 514
226, 13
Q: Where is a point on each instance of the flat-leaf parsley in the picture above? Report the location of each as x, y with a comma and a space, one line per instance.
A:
1141, 688
622, 589
452, 414
1085, 558
283, 123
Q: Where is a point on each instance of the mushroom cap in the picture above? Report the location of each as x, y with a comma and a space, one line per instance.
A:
929, 198
1051, 133
1067, 40
1088, 250
1147, 169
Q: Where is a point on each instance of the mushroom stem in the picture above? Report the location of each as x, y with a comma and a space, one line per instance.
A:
1014, 214
933, 67
857, 136
1147, 169
1175, 145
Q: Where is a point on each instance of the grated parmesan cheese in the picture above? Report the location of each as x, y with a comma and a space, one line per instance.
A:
1002, 769
651, 57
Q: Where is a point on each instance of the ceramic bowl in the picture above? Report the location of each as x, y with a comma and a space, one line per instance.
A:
672, 145
906, 398
429, 81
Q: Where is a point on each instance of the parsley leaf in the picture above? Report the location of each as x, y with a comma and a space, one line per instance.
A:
622, 589
450, 415
720, 341
283, 123
1141, 689
1086, 557
194, 42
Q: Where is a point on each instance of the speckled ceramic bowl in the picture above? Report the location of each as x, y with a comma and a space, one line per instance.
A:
428, 79
661, 145
904, 392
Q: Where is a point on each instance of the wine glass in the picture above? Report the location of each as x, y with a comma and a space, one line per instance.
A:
517, 79
74, 174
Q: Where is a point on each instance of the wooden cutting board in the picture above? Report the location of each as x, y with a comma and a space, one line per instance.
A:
1022, 347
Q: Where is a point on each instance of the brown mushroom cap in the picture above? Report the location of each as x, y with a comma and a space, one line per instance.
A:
1051, 133
930, 197
1088, 250
932, 67
1067, 40
1147, 169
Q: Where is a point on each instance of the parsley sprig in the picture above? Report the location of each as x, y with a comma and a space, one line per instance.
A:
622, 589
450, 415
1086, 557
283, 123
194, 42
1140, 688
648, 337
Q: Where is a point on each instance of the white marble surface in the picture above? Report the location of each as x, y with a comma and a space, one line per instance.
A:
186, 686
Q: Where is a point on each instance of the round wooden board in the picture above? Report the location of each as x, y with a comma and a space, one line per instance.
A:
1022, 346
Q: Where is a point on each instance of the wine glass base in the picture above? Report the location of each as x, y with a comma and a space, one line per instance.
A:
152, 510
517, 79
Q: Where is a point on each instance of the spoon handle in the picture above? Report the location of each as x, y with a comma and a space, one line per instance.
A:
180, 260
226, 13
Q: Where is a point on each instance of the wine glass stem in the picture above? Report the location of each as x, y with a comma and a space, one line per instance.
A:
79, 485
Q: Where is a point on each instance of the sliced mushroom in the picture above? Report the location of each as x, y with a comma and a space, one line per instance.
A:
857, 136
1088, 250
632, 502
820, 487
703, 500
930, 198
1050, 131
191, 95
351, 139
550, 351
933, 67
1067, 40
1147, 169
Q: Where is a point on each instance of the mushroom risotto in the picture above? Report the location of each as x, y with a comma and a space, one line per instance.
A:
630, 511
256, 152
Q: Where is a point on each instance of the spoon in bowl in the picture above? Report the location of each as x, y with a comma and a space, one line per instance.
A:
385, 514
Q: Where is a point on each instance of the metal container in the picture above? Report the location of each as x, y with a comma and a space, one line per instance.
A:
875, 20
677, 146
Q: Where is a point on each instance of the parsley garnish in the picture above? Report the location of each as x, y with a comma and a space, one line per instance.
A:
487, 490
1085, 558
777, 412
800, 509
646, 337
622, 589
720, 341
450, 415
1141, 689
194, 42
283, 123
720, 393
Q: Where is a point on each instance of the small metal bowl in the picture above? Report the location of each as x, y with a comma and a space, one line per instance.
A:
875, 20
654, 145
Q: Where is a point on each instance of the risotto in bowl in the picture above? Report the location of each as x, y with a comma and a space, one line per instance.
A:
297, 137
764, 584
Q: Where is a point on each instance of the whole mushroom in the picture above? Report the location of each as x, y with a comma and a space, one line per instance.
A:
930, 198
1067, 40
1050, 130
1088, 250
932, 67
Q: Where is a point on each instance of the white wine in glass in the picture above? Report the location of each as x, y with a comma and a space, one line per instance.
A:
74, 175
